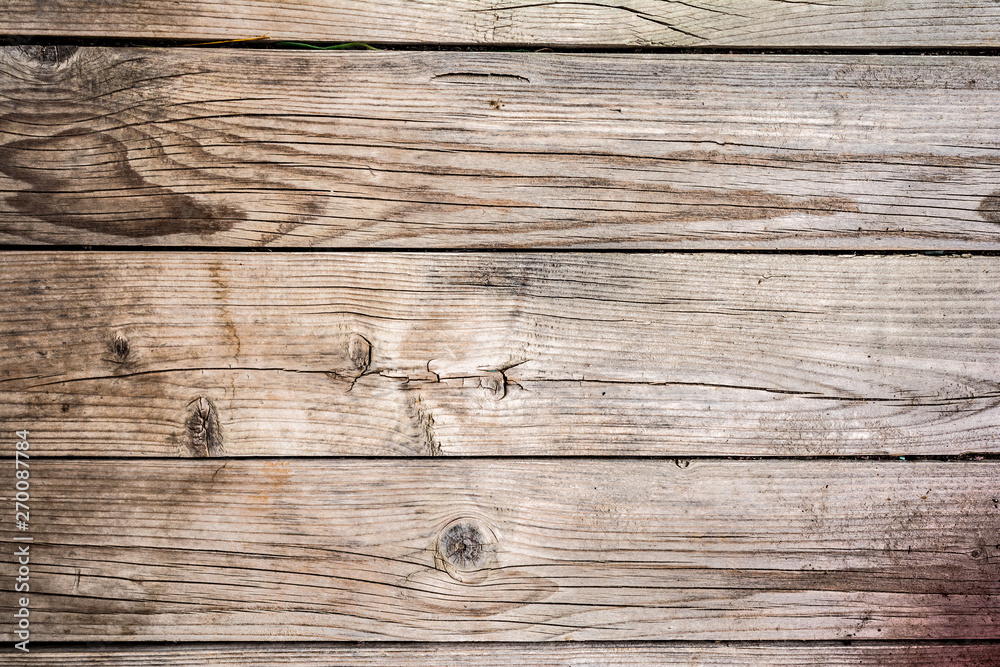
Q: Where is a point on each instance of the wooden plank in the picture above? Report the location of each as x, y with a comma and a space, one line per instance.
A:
249, 354
446, 149
492, 654
748, 23
517, 550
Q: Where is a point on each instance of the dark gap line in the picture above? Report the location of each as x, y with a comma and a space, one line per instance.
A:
48, 40
13, 247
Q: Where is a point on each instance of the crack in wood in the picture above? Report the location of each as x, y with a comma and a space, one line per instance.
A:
479, 78
204, 432
359, 349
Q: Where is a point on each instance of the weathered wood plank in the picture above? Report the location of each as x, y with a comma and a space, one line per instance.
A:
184, 354
477, 549
417, 150
492, 654
754, 23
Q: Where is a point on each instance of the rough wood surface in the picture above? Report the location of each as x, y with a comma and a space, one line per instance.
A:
410, 149
491, 654
212, 354
477, 549
753, 23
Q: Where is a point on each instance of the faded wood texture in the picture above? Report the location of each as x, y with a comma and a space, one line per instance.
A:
750, 23
212, 354
421, 150
491, 654
185, 550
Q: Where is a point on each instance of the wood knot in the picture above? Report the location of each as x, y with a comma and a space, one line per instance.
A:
120, 348
360, 351
495, 384
48, 56
204, 433
466, 550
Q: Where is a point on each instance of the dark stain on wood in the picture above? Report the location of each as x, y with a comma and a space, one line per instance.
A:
83, 180
702, 204
585, 201
990, 208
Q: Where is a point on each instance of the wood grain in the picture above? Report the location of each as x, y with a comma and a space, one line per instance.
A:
748, 23
486, 549
493, 654
464, 150
214, 354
